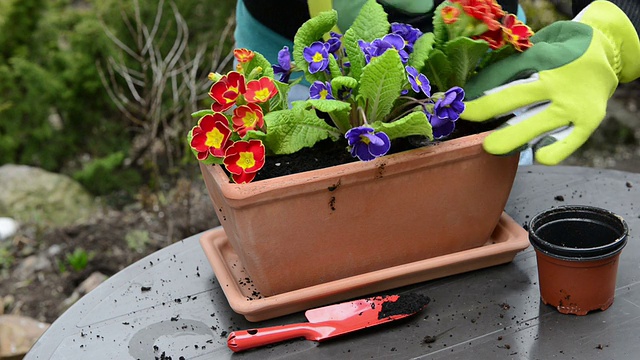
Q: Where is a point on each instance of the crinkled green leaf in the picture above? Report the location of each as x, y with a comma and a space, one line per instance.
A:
421, 50
330, 105
334, 68
416, 123
259, 61
200, 113
439, 27
339, 111
381, 83
464, 55
438, 70
340, 81
289, 131
312, 30
497, 55
279, 102
371, 23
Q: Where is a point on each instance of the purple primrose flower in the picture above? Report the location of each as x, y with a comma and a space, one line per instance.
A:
321, 90
378, 46
367, 145
418, 81
317, 55
335, 42
283, 68
446, 111
408, 33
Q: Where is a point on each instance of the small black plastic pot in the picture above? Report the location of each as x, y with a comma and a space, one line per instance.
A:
577, 250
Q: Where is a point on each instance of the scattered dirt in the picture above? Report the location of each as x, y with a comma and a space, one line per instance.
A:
118, 238
113, 241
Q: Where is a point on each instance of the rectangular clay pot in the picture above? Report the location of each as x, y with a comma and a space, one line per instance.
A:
305, 229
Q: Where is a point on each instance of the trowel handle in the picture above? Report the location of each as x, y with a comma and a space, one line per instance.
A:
247, 339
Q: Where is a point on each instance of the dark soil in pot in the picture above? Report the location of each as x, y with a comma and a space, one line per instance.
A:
328, 153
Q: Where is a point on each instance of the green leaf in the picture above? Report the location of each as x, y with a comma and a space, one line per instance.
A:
497, 55
439, 27
438, 70
330, 105
289, 131
200, 113
421, 50
280, 101
259, 61
334, 68
340, 81
381, 83
338, 110
464, 55
416, 123
371, 23
312, 30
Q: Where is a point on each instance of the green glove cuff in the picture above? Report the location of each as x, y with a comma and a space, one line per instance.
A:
618, 29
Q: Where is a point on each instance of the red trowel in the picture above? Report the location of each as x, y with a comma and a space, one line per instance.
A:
333, 320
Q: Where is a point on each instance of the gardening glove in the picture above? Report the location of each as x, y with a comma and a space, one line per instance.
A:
557, 89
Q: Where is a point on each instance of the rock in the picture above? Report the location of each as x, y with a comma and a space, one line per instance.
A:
8, 227
34, 195
85, 287
18, 334
31, 265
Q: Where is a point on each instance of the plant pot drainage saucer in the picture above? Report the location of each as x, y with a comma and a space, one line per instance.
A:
507, 239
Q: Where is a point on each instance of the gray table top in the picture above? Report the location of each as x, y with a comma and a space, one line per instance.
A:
489, 313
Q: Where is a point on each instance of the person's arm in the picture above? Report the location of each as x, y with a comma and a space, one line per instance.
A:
630, 7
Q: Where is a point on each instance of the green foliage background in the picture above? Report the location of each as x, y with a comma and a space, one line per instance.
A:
55, 112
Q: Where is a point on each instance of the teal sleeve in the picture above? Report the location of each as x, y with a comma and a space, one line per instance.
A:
252, 35
411, 6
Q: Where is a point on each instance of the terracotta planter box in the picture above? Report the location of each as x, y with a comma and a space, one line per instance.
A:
310, 228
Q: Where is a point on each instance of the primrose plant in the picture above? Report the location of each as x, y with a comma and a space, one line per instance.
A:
376, 83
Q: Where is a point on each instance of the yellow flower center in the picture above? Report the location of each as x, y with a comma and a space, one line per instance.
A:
317, 57
365, 139
250, 119
323, 94
214, 139
262, 95
246, 160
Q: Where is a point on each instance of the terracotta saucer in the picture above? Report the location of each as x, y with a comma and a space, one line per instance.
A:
507, 239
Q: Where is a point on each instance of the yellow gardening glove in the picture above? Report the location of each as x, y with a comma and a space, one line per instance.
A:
558, 89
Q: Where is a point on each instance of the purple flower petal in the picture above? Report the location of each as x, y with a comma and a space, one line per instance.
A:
367, 145
321, 91
445, 130
418, 81
408, 33
317, 55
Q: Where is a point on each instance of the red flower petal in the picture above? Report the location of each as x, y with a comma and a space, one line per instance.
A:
487, 11
494, 38
243, 159
517, 33
243, 55
261, 90
226, 91
211, 136
450, 14
247, 117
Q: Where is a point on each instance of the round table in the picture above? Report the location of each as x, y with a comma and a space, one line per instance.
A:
169, 305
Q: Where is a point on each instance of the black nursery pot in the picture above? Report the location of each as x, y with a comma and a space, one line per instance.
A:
577, 250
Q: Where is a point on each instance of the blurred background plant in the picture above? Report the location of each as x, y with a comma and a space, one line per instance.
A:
77, 260
102, 90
